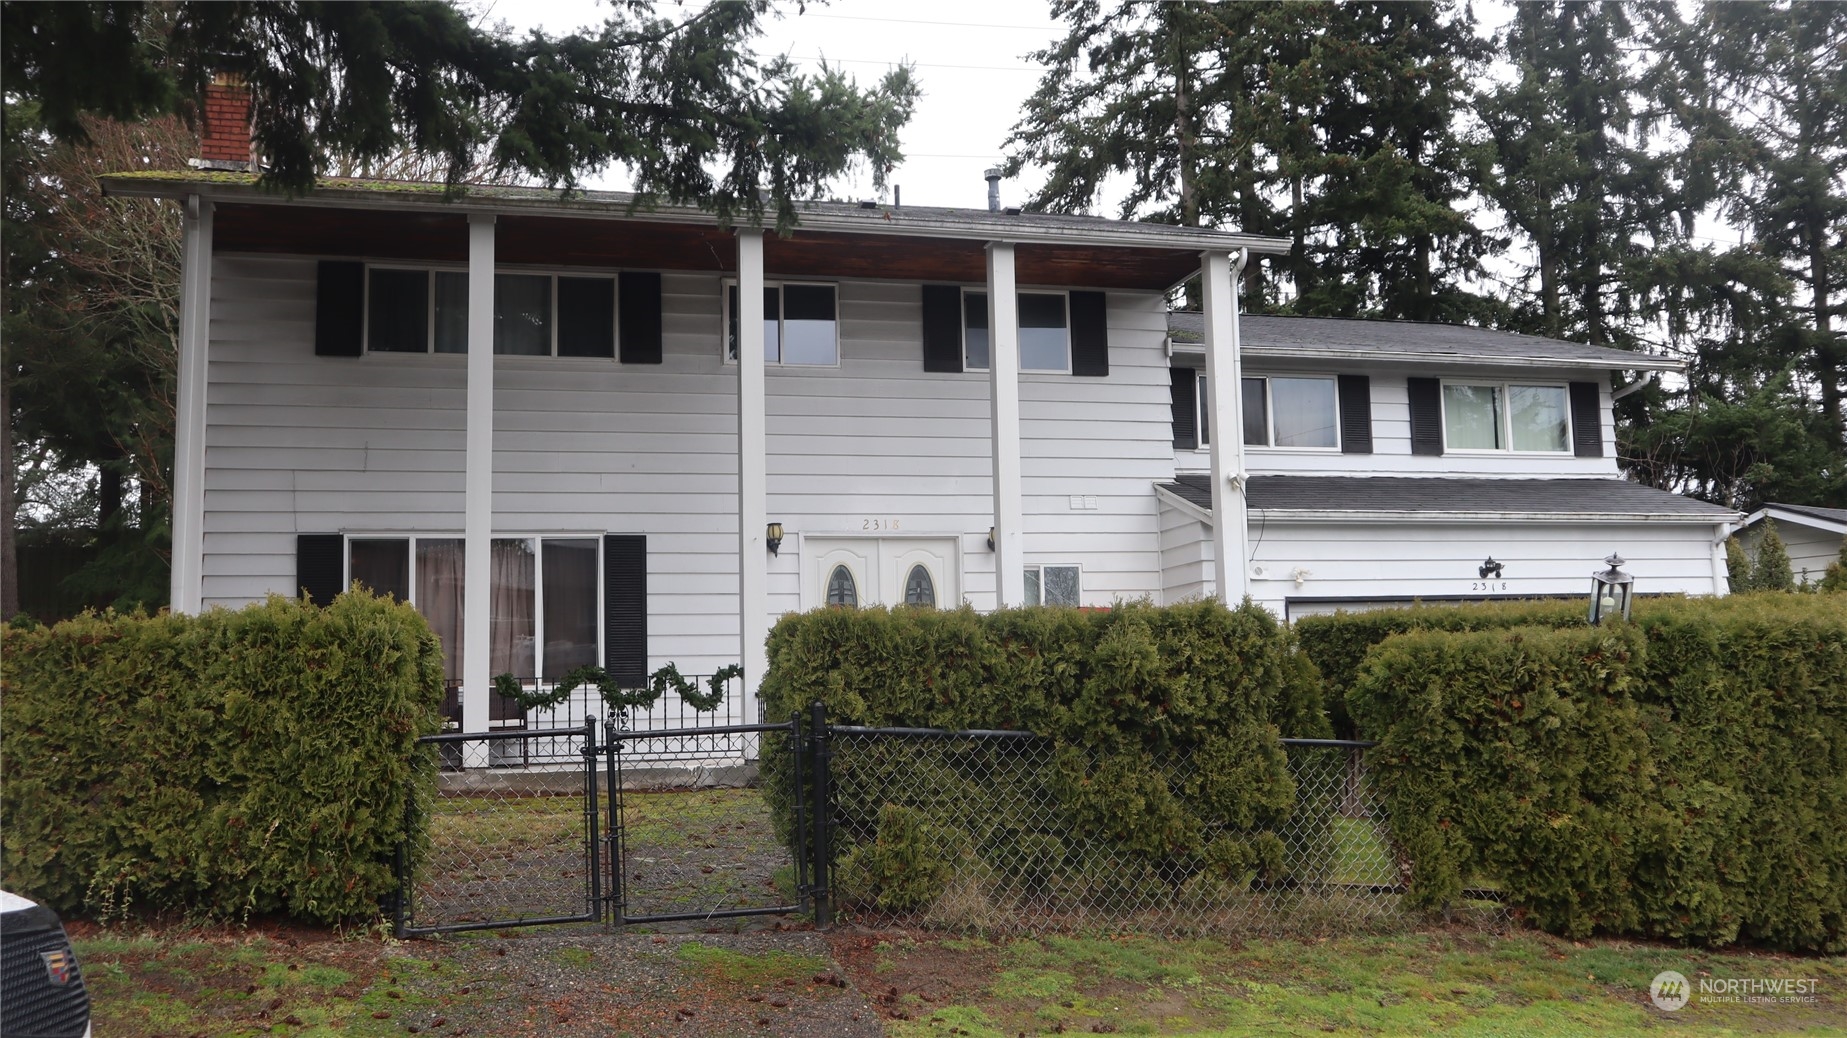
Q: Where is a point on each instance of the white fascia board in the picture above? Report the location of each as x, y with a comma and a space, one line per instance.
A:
1185, 507
1640, 361
1797, 519
1305, 515
884, 221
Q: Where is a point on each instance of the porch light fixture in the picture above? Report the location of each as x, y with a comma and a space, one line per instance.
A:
772, 536
1610, 591
990, 538
1489, 568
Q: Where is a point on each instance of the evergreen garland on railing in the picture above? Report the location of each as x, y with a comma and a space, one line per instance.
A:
619, 698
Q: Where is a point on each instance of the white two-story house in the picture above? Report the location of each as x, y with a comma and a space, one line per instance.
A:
569, 431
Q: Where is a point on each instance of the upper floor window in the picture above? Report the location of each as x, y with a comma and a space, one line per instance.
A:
535, 315
1505, 416
1045, 332
1281, 411
801, 324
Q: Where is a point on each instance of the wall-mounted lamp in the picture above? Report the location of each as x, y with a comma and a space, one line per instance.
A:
1611, 591
1489, 568
990, 538
772, 536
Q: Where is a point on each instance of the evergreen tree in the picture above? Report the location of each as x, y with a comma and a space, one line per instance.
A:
1737, 566
682, 103
1771, 571
1835, 580
1332, 125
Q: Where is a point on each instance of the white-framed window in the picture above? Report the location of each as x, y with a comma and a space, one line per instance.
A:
1045, 331
801, 323
1506, 416
545, 596
425, 310
1291, 411
1053, 585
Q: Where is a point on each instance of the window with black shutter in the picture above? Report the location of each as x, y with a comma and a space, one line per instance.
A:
1186, 408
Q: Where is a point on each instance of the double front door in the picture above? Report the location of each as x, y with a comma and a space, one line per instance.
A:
891, 571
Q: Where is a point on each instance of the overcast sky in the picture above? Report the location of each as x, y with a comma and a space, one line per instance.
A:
968, 57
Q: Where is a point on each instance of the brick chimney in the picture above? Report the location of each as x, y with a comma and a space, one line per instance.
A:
224, 129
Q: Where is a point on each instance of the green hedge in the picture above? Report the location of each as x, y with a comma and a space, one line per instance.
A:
1163, 725
236, 762
1339, 641
1682, 777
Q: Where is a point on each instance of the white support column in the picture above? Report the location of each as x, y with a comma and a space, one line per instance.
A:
478, 482
1004, 405
1224, 391
186, 589
753, 465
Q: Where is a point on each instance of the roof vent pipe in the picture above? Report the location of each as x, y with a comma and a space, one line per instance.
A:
993, 177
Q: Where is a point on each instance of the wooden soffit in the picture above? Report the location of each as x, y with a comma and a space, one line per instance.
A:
554, 241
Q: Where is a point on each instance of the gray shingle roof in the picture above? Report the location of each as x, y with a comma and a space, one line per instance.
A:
1322, 337
1410, 494
1833, 515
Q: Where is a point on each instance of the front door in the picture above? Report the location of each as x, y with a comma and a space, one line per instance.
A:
891, 571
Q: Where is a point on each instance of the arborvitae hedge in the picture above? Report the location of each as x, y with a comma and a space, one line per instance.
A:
1164, 724
235, 762
1338, 642
1682, 777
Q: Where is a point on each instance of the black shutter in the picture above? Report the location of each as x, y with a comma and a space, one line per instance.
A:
1355, 414
1089, 334
942, 328
1587, 419
320, 563
1426, 398
1186, 408
639, 300
339, 308
625, 608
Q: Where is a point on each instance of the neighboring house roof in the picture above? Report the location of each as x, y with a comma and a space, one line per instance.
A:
1833, 520
1321, 338
1434, 497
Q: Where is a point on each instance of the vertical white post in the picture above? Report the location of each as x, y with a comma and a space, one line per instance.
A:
478, 484
186, 589
1004, 405
753, 465
1224, 391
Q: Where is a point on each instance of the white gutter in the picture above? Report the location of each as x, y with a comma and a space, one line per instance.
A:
1319, 515
1636, 362
885, 220
1638, 384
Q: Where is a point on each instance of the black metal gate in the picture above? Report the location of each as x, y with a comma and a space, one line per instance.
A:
515, 834
511, 836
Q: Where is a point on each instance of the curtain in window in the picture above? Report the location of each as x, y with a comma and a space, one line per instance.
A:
382, 565
451, 312
1304, 411
1472, 417
975, 330
808, 326
1045, 344
510, 616
570, 606
439, 596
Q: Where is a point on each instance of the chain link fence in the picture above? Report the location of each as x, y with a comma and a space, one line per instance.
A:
977, 831
509, 835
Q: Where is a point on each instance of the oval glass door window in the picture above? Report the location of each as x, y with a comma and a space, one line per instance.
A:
841, 590
919, 589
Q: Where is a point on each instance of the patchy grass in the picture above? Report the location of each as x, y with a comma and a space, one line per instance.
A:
1440, 983
672, 820
760, 970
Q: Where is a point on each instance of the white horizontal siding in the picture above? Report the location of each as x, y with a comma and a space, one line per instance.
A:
1186, 555
1391, 434
1810, 550
1442, 560
304, 444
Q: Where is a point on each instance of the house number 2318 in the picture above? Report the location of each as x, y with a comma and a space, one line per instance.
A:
1488, 585
878, 524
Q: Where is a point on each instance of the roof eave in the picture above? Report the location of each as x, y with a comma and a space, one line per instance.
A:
1785, 515
1629, 362
909, 222
1334, 515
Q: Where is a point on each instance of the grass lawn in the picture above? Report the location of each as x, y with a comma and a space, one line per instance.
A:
1432, 983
